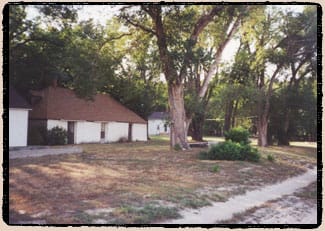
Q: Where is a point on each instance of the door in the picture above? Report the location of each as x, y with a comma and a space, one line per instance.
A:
70, 132
102, 132
130, 132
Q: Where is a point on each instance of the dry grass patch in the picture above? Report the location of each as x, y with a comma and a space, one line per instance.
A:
60, 188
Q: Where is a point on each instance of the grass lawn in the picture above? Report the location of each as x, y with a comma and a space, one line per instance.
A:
141, 182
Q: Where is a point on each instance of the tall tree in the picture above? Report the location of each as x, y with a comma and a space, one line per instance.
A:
300, 47
177, 30
206, 65
266, 63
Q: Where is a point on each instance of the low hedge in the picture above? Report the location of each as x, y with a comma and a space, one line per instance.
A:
230, 150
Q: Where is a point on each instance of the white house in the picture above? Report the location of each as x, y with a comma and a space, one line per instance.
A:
18, 119
158, 123
87, 121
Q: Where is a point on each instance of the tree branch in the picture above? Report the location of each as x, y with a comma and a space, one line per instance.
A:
217, 58
202, 22
135, 24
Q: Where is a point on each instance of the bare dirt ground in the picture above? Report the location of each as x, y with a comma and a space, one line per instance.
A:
136, 182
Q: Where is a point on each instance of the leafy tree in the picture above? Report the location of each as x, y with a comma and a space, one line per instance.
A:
85, 57
177, 30
35, 54
299, 46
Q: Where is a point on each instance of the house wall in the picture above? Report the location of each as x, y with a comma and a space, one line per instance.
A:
87, 132
18, 124
139, 132
57, 123
116, 130
153, 127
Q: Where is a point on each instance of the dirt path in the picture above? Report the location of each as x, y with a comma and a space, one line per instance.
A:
297, 208
222, 211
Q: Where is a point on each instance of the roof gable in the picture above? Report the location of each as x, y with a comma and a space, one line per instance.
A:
62, 103
16, 100
159, 115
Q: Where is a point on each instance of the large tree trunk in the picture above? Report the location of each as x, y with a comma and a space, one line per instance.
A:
262, 131
264, 110
177, 113
283, 136
197, 127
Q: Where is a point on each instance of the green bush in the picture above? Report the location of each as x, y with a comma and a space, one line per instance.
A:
239, 135
250, 153
225, 151
57, 136
177, 147
230, 150
215, 168
270, 158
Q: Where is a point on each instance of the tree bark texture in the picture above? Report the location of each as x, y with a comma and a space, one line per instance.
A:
283, 135
197, 127
177, 113
262, 131
264, 110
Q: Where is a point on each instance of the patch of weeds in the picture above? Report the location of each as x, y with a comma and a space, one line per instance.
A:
151, 213
177, 147
194, 202
270, 158
308, 194
143, 215
215, 168
203, 155
218, 197
84, 218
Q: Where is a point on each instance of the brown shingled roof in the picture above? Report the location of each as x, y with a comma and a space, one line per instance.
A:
62, 103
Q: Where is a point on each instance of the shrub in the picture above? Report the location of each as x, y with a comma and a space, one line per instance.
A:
230, 150
270, 158
177, 147
250, 153
239, 135
225, 151
57, 136
215, 168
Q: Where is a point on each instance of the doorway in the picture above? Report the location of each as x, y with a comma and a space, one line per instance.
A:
130, 132
102, 132
71, 128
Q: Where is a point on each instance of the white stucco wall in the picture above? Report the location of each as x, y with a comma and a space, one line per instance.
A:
139, 132
57, 123
86, 132
115, 130
18, 124
153, 127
